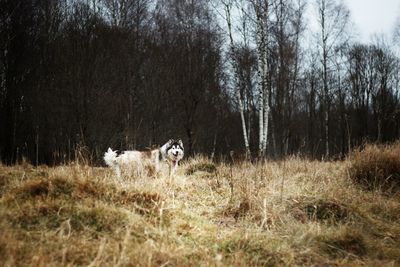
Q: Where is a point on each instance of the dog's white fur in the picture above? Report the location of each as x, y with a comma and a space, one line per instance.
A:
171, 152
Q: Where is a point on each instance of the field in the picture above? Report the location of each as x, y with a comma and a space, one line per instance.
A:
293, 212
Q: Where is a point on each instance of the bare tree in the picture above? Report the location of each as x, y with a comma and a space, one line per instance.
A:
383, 96
333, 18
396, 31
261, 9
133, 73
286, 29
228, 5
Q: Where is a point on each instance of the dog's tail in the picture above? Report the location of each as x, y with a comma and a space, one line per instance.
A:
110, 157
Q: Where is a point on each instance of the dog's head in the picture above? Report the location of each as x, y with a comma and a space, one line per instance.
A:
175, 150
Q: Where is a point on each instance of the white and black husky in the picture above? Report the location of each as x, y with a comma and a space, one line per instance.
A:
171, 152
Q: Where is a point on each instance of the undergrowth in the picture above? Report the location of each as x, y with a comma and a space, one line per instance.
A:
279, 213
377, 167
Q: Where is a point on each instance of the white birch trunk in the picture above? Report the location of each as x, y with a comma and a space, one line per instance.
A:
241, 110
261, 118
265, 78
262, 64
236, 85
266, 116
260, 68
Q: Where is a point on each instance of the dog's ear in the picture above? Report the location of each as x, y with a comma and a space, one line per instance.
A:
169, 143
180, 143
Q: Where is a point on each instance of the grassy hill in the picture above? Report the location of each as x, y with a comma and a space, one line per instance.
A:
292, 212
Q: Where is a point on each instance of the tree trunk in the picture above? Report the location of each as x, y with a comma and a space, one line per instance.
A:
325, 81
262, 65
236, 73
266, 116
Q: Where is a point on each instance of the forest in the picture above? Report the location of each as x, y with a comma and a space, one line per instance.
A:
260, 78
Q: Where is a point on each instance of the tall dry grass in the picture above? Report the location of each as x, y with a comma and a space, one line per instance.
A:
284, 213
377, 167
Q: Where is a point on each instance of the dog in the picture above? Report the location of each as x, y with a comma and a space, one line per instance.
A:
171, 153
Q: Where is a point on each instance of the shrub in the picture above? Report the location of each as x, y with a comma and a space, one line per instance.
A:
32, 189
343, 243
43, 187
321, 210
201, 167
377, 167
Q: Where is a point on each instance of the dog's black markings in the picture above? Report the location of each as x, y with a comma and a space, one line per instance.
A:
160, 157
171, 143
174, 143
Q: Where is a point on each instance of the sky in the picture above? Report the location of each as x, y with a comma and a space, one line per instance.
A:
374, 17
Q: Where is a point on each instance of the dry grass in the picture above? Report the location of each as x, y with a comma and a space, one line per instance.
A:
377, 167
293, 212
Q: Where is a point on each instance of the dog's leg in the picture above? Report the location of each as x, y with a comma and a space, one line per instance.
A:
172, 170
138, 171
118, 171
169, 172
157, 164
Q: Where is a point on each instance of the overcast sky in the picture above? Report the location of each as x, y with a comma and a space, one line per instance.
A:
374, 16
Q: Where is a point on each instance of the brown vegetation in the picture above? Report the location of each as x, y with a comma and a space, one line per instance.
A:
377, 167
292, 212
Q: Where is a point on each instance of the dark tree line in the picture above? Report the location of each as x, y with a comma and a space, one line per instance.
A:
85, 75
